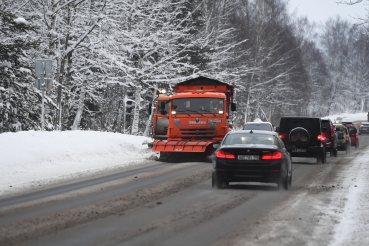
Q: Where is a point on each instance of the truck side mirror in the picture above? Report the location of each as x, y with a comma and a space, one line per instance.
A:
149, 108
277, 129
233, 107
215, 146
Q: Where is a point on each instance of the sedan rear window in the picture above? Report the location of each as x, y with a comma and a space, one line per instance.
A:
261, 127
247, 138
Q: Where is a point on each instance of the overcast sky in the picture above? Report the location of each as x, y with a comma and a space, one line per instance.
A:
321, 10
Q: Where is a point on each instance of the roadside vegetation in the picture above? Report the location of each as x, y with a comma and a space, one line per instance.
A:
110, 57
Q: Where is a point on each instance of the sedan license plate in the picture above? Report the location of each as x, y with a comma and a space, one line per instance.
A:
248, 157
299, 150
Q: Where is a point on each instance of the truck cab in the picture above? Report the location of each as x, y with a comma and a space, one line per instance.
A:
198, 116
161, 118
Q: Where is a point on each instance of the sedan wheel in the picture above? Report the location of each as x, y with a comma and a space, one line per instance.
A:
216, 182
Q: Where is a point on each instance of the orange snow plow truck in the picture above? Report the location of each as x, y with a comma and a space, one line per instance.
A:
198, 116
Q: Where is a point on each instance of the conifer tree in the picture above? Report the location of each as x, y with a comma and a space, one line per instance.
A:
19, 100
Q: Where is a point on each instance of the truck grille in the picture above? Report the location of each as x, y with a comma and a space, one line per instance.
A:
196, 132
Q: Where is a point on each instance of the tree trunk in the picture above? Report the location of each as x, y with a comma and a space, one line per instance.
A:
247, 105
65, 119
136, 115
77, 119
149, 121
124, 108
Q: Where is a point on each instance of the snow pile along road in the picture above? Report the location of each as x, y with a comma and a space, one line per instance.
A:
354, 117
34, 158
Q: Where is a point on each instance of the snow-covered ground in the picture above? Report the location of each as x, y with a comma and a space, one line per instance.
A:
354, 117
34, 158
353, 218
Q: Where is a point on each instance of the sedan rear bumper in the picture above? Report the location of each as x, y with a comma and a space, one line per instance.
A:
267, 174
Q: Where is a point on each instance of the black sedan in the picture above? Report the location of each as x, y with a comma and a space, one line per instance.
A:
251, 156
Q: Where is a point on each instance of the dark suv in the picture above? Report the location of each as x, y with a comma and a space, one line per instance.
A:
306, 137
331, 135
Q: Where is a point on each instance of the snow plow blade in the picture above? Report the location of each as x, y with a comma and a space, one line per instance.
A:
182, 146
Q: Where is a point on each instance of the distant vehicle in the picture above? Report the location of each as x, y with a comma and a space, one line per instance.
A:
354, 135
346, 121
344, 140
305, 137
252, 156
262, 126
331, 135
364, 127
339, 120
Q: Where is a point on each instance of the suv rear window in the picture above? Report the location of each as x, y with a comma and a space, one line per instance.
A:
352, 130
308, 124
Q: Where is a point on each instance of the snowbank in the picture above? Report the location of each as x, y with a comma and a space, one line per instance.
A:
354, 117
49, 157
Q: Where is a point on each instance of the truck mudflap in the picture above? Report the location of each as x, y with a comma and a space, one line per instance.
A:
182, 146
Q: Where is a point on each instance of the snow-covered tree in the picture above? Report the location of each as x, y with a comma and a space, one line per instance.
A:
19, 100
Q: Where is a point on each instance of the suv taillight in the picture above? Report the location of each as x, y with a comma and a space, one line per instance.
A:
361, 126
284, 136
272, 156
225, 155
320, 137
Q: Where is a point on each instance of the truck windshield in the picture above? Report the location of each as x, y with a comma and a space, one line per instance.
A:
198, 105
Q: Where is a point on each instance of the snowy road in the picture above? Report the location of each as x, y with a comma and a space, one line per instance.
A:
173, 204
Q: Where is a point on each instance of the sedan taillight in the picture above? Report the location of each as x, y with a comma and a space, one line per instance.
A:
272, 156
225, 155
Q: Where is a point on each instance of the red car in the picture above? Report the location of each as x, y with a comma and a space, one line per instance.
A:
354, 135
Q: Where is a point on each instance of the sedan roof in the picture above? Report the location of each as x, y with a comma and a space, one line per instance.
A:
254, 131
261, 122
